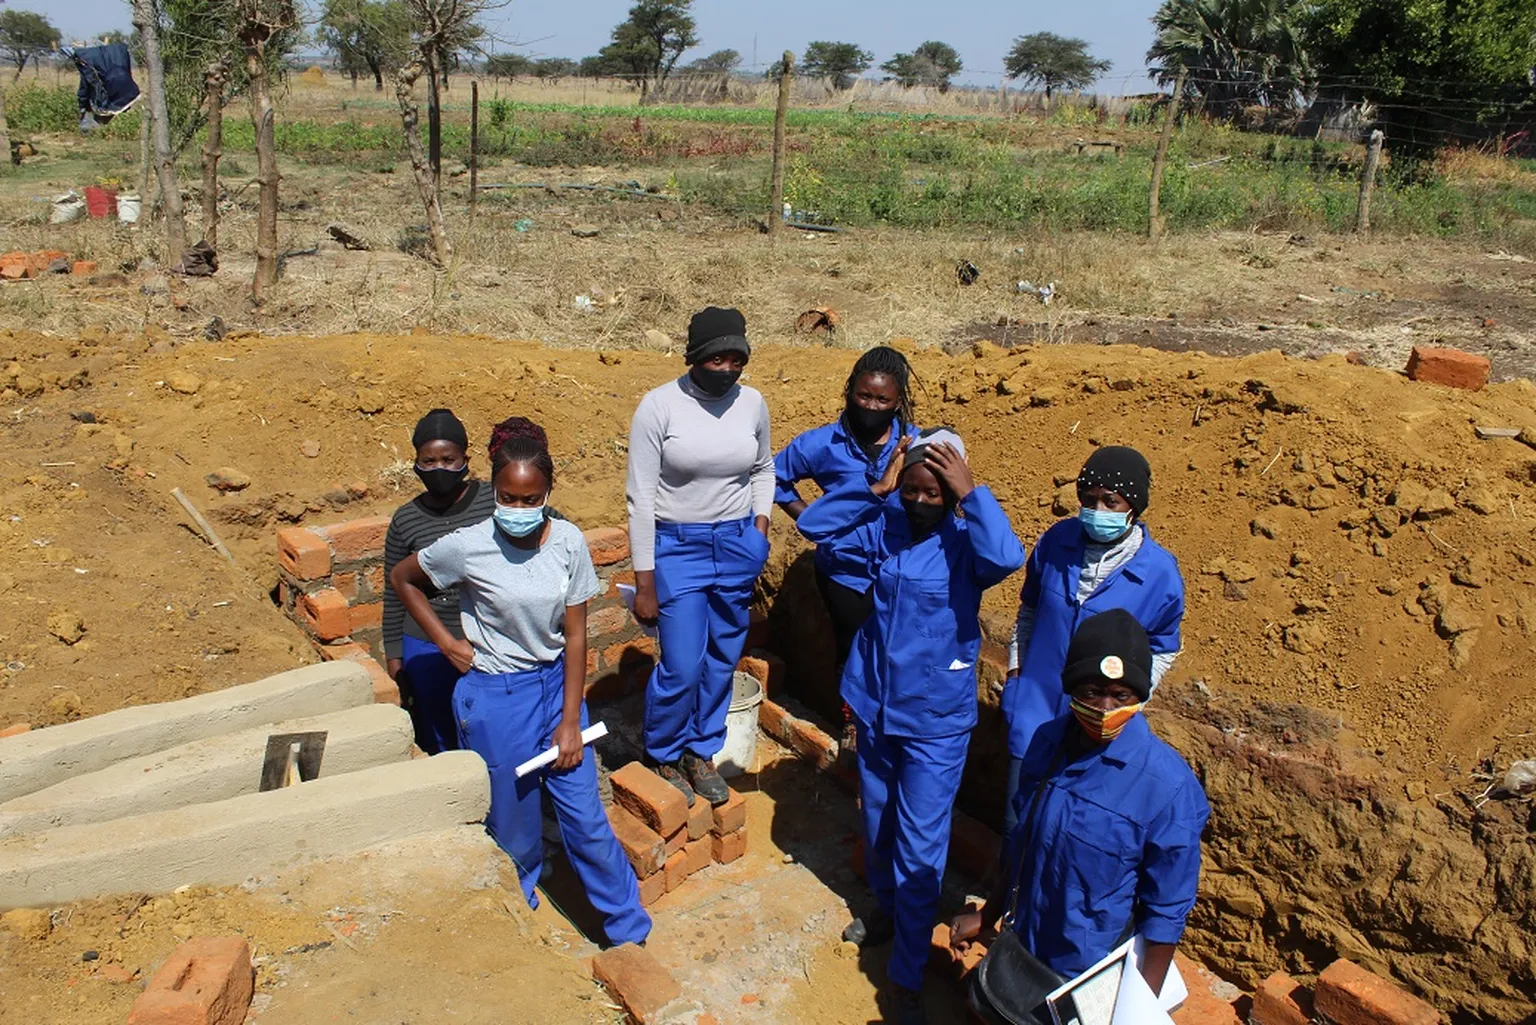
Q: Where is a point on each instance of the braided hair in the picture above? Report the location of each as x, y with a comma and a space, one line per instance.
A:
519, 440
883, 359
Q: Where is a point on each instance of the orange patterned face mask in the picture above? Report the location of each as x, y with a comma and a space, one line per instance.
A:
1101, 726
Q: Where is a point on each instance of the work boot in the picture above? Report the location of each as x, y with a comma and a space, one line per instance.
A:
670, 772
908, 1005
872, 930
705, 779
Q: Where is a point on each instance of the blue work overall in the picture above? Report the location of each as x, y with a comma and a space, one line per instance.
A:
431, 679
507, 718
705, 573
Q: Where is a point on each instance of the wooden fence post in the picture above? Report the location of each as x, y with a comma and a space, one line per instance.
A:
776, 193
1155, 225
474, 146
1368, 183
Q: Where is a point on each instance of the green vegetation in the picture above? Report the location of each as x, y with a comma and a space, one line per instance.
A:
923, 171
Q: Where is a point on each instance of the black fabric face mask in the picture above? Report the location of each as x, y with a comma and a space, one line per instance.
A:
922, 516
868, 424
714, 383
442, 483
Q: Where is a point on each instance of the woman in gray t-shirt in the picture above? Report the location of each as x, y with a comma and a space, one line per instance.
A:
524, 580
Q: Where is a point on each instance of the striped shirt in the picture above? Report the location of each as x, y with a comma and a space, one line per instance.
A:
414, 526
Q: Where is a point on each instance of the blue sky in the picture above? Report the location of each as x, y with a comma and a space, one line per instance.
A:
1118, 30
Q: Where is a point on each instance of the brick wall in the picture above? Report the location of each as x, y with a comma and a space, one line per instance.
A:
331, 583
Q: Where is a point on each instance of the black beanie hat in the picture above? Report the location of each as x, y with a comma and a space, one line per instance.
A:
1122, 470
439, 425
1112, 647
715, 330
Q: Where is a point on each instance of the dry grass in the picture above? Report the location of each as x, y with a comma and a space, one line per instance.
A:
1479, 166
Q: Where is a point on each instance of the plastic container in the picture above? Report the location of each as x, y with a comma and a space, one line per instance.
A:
128, 208
740, 752
67, 209
100, 201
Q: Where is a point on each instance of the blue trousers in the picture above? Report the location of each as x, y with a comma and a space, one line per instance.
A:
508, 718
705, 573
1010, 795
908, 787
431, 678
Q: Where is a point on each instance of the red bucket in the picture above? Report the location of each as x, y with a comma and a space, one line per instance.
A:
100, 202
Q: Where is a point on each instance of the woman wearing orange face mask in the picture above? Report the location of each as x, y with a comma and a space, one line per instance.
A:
1109, 820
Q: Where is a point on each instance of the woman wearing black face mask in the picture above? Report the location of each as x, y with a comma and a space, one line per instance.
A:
700, 488
911, 677
855, 448
452, 500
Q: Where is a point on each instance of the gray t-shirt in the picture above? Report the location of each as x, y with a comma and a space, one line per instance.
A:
512, 601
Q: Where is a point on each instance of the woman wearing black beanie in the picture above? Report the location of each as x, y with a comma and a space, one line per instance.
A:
1103, 558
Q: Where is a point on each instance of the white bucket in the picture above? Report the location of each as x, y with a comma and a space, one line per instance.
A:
67, 209
740, 752
128, 208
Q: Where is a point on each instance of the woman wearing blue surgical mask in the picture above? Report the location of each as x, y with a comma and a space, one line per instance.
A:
524, 579
1103, 558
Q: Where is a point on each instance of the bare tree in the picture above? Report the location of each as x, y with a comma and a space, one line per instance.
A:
441, 29
215, 77
160, 131
5, 137
257, 22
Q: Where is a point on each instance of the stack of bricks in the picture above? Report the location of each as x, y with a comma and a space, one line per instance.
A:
331, 583
664, 838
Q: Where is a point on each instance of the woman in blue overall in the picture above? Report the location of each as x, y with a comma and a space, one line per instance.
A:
1109, 819
524, 580
452, 499
700, 489
1102, 559
853, 450
911, 677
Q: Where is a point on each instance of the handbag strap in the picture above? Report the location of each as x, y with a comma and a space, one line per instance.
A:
1027, 834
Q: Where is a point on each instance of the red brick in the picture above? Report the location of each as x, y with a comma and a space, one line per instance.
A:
206, 981
758, 634
649, 798
636, 980
1205, 1008
326, 614
675, 870
729, 847
609, 545
346, 583
374, 578
385, 690
591, 664
700, 817
767, 669
972, 846
348, 649
675, 842
699, 854
608, 620
84, 267
303, 553
361, 617
653, 888
944, 960
641, 648
645, 850
1450, 367
1349, 995
730, 816
804, 737
16, 730
623, 577
355, 540
1281, 1000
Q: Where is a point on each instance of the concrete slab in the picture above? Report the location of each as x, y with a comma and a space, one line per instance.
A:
225, 842
42, 758
213, 769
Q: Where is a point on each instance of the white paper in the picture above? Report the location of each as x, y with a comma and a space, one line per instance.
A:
1141, 1005
1136, 1004
1174, 991
596, 731
957, 664
627, 592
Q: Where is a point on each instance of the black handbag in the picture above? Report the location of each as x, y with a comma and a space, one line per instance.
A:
1010, 985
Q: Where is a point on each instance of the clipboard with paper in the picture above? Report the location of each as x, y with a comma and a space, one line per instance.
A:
1113, 992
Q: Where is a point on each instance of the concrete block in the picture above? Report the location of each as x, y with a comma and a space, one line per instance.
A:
212, 769
1347, 994
226, 842
634, 978
208, 980
44, 757
649, 798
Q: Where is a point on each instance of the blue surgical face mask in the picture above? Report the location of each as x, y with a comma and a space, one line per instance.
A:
517, 521
1104, 526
